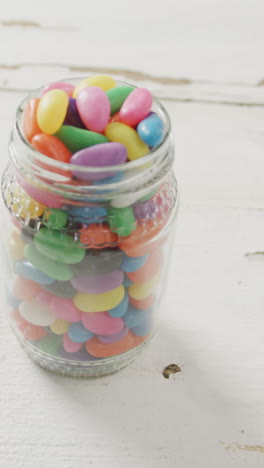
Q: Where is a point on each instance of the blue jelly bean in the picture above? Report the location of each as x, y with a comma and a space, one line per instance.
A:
109, 180
143, 329
127, 282
151, 130
29, 271
131, 264
87, 214
121, 309
78, 333
135, 317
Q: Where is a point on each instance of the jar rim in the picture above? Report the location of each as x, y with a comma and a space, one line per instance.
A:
125, 167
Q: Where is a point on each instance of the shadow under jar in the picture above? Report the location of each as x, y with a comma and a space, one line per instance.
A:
85, 259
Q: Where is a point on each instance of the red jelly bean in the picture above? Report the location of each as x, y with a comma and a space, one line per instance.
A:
30, 125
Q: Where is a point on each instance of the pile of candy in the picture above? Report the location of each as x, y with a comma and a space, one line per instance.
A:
87, 274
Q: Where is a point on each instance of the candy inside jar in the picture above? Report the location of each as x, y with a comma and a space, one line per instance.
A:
91, 200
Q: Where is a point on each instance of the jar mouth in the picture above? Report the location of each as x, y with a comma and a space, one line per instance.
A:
54, 173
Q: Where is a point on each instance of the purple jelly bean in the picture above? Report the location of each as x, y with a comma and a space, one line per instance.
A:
144, 210
99, 283
73, 117
113, 338
101, 155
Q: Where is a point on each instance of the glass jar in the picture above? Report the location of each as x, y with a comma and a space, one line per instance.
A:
86, 258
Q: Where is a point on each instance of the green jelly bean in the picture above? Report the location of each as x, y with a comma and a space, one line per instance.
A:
56, 219
117, 96
52, 268
121, 220
77, 138
58, 246
50, 344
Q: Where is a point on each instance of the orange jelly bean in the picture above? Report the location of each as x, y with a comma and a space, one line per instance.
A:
142, 304
25, 289
30, 125
140, 242
149, 269
52, 147
98, 349
98, 236
29, 331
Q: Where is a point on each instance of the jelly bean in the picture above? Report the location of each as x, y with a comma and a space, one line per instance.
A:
41, 196
95, 263
51, 147
52, 268
45, 296
87, 214
149, 195
127, 282
114, 118
98, 349
66, 87
27, 270
25, 289
102, 324
16, 246
78, 333
121, 220
30, 125
56, 219
99, 283
77, 139
104, 82
121, 309
25, 207
72, 116
30, 332
80, 355
143, 329
52, 110
50, 344
99, 302
149, 269
69, 345
37, 313
105, 154
130, 264
117, 97
144, 210
60, 326
61, 289
151, 130
143, 240
135, 317
113, 338
65, 309
142, 290
136, 106
58, 246
98, 236
142, 304
94, 108
121, 133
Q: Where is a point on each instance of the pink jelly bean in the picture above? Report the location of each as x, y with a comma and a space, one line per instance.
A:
99, 283
101, 323
45, 296
136, 107
113, 338
94, 108
65, 309
41, 196
67, 87
69, 345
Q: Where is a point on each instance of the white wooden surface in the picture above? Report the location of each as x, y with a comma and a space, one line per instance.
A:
205, 60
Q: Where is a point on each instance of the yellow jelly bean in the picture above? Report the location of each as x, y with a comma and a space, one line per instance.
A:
16, 246
25, 207
99, 302
126, 135
104, 82
52, 110
140, 291
60, 326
